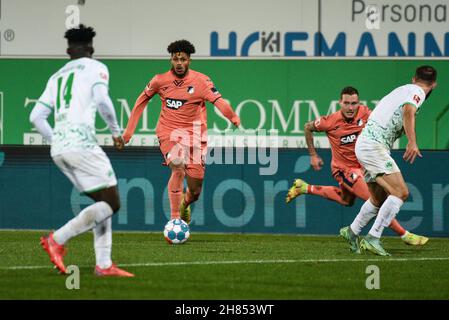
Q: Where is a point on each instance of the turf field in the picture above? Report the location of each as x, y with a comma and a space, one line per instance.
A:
226, 266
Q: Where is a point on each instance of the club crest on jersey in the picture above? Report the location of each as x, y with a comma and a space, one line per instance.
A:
350, 138
191, 89
175, 103
416, 98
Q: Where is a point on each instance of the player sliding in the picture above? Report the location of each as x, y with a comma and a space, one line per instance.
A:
182, 125
74, 93
393, 115
342, 128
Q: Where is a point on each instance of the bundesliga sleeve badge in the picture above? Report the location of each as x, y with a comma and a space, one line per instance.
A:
103, 76
416, 98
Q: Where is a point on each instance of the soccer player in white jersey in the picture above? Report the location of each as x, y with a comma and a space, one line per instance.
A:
393, 115
74, 93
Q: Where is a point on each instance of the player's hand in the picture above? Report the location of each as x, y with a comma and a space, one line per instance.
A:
119, 143
126, 137
316, 162
236, 121
411, 152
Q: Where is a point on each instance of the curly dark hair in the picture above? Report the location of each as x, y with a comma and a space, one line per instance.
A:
82, 34
181, 46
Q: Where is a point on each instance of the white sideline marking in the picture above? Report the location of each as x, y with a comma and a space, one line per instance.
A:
186, 263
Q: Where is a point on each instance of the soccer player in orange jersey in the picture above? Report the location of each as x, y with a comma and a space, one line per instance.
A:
182, 124
342, 128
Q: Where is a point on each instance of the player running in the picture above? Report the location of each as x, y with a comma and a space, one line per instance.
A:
393, 115
182, 124
74, 93
342, 128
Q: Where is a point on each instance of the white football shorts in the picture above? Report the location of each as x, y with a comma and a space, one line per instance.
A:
88, 171
375, 159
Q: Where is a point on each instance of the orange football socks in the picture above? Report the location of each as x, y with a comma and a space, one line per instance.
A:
175, 188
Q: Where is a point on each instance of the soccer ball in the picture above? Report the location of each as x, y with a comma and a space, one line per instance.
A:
176, 231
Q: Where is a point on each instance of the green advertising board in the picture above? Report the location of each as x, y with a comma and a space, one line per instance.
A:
268, 94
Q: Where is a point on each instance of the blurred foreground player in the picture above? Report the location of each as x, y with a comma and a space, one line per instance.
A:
182, 125
342, 128
74, 93
392, 116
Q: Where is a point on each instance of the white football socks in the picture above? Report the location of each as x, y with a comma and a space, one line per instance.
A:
103, 243
387, 213
84, 221
367, 212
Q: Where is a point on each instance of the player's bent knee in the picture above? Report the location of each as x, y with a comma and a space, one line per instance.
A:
196, 194
115, 207
404, 195
375, 202
109, 195
177, 163
349, 204
178, 172
114, 204
401, 193
347, 201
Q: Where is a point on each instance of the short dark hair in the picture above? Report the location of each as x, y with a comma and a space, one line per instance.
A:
80, 35
181, 46
348, 90
426, 74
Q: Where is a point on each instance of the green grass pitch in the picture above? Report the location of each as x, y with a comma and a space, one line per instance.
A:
226, 266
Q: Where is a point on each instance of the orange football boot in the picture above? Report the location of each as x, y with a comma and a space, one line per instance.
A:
55, 251
112, 271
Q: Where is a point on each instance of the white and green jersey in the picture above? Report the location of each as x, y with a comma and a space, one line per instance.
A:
69, 93
385, 124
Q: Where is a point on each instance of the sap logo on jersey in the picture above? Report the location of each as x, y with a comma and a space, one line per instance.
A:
350, 138
175, 103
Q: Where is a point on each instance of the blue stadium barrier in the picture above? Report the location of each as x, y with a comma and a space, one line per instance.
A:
34, 194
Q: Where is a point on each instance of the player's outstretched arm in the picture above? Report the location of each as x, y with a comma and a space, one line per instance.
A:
38, 118
411, 150
315, 159
136, 113
226, 109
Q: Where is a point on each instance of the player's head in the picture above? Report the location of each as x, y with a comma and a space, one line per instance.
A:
426, 76
349, 102
180, 52
80, 41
